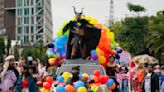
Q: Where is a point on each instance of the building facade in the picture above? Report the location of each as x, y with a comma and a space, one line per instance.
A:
7, 18
33, 21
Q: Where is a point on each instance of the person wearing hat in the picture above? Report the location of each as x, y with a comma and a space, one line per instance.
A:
9, 75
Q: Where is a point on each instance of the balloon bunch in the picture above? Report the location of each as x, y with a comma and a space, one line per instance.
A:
106, 47
80, 86
46, 84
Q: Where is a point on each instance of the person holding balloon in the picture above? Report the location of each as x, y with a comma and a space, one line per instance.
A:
112, 69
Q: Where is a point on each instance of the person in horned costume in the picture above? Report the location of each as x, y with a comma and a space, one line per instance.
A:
83, 37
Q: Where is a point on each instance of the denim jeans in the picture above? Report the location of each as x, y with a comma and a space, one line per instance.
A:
124, 86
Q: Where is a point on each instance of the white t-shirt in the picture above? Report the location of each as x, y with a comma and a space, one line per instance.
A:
148, 83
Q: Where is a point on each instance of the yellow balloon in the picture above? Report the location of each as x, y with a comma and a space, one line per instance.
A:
94, 88
44, 90
102, 60
66, 75
93, 21
88, 18
85, 75
82, 89
111, 35
98, 51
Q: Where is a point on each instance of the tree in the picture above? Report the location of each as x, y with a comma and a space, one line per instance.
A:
135, 8
35, 51
156, 36
2, 48
131, 33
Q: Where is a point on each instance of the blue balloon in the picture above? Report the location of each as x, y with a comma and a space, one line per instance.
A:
60, 79
93, 52
110, 82
78, 84
80, 74
60, 88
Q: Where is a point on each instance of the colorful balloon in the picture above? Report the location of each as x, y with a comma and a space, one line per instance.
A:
82, 89
102, 60
94, 56
78, 84
110, 82
60, 88
44, 90
49, 79
46, 85
69, 88
112, 87
96, 73
52, 61
60, 79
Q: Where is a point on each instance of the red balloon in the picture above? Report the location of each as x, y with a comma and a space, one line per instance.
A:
101, 78
96, 73
49, 79
46, 85
106, 78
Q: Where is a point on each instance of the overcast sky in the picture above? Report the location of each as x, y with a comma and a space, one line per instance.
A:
62, 9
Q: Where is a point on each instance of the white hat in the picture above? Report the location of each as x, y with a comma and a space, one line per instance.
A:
9, 57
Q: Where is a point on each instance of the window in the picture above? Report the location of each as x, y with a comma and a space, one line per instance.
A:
26, 11
32, 20
19, 30
32, 11
32, 29
32, 2
32, 38
19, 11
26, 29
19, 38
26, 20
26, 38
19, 21
26, 2
20, 2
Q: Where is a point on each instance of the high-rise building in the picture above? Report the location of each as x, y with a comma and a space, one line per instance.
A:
33, 21
7, 18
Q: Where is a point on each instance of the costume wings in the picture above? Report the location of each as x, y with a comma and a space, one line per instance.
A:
91, 36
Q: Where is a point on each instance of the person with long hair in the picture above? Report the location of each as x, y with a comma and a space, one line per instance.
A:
9, 75
26, 82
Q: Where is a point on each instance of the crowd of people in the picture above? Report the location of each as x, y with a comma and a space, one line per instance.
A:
138, 77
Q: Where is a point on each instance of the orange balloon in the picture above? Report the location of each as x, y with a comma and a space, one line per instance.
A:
95, 78
99, 25
52, 61
112, 87
69, 88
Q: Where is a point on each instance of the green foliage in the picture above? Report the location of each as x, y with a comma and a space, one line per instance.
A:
155, 40
35, 52
135, 8
130, 33
142, 35
2, 48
